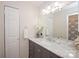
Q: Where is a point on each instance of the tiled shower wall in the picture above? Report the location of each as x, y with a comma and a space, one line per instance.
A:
73, 27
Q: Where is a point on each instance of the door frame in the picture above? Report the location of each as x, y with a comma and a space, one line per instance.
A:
68, 22
4, 29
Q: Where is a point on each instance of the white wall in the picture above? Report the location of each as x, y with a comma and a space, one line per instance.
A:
28, 18
1, 31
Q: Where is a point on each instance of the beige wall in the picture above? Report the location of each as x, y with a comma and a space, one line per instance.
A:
28, 18
59, 25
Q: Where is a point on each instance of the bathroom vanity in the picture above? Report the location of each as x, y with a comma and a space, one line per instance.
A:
37, 51
63, 27
51, 48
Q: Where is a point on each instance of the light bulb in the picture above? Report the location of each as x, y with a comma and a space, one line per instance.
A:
45, 11
56, 4
49, 7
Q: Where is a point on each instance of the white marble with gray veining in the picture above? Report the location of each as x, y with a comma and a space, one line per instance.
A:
61, 47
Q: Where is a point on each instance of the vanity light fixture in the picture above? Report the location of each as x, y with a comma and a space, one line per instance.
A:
53, 7
49, 7
56, 4
45, 11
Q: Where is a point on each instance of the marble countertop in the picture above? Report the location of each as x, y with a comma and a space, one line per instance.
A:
61, 47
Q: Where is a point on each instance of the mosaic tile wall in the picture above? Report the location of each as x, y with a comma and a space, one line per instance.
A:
73, 27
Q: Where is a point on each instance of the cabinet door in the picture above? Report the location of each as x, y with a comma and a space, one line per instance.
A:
44, 53
47, 54
40, 52
31, 49
37, 51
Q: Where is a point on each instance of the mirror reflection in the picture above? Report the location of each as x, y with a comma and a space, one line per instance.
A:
60, 19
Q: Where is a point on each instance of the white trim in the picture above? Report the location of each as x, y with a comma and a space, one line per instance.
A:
73, 13
67, 20
78, 22
10, 6
67, 27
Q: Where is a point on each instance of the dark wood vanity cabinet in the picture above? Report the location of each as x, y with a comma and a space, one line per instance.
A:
37, 51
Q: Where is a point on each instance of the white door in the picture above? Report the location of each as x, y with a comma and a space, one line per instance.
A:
11, 32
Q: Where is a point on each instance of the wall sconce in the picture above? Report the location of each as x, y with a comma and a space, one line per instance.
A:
53, 7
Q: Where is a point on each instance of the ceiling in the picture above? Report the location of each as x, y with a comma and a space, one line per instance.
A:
43, 4
40, 4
